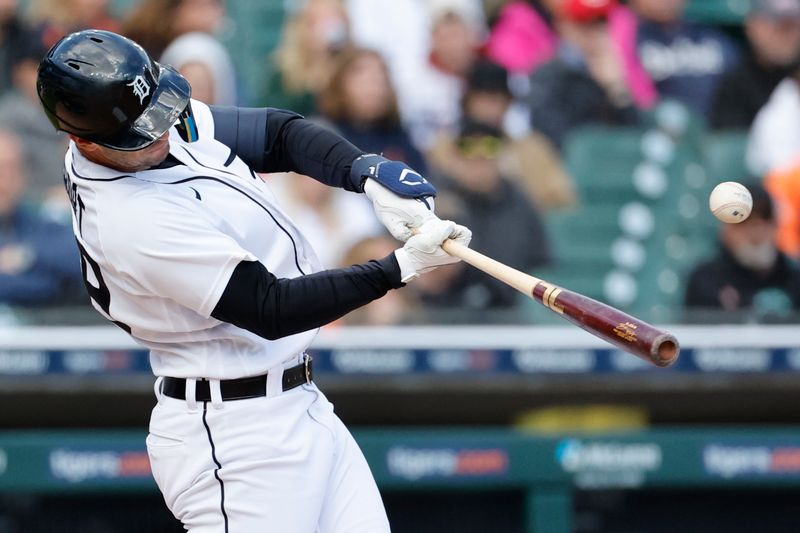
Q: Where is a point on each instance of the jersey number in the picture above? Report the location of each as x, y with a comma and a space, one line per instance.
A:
99, 294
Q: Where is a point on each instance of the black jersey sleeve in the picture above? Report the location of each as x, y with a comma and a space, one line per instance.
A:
271, 307
277, 140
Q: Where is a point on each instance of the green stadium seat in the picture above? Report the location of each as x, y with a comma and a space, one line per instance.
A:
644, 222
730, 12
724, 154
256, 32
597, 149
674, 118
602, 161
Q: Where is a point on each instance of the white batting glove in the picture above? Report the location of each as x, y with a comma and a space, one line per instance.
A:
399, 215
423, 251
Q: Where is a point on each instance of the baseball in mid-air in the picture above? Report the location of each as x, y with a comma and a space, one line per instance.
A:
730, 202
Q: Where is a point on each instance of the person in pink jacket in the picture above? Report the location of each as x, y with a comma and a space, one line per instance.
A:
523, 38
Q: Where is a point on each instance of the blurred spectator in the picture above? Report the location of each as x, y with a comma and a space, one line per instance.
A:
39, 263
401, 35
530, 161
487, 96
429, 98
774, 138
397, 307
684, 59
332, 219
181, 34
773, 31
505, 224
586, 82
304, 61
11, 30
748, 275
21, 112
361, 104
524, 38
784, 186
57, 18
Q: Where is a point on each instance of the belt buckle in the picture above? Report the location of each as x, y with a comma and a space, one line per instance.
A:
307, 366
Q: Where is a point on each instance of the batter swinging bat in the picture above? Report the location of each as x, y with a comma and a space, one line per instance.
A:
612, 325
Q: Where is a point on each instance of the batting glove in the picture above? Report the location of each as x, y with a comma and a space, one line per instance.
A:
400, 215
423, 251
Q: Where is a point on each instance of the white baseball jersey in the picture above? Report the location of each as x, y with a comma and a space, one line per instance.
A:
159, 246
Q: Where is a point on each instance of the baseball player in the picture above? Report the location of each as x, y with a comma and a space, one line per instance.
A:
186, 249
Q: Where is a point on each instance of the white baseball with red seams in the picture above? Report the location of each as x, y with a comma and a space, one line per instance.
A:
730, 202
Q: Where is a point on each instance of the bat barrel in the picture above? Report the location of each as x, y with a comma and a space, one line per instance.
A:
612, 325
620, 329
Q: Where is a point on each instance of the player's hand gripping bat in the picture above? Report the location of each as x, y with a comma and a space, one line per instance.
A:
612, 325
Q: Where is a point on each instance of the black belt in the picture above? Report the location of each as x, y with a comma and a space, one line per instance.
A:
240, 389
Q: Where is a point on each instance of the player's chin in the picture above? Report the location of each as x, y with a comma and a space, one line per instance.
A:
156, 153
152, 160
162, 144
162, 150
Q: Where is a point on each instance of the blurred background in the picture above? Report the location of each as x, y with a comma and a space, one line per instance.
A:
579, 139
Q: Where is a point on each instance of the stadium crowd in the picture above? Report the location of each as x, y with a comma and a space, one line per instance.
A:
482, 97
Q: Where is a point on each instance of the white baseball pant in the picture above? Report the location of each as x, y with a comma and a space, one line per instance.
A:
283, 463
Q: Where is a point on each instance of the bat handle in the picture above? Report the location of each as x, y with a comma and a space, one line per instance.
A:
519, 280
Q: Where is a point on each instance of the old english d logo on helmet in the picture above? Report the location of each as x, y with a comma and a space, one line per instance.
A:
104, 88
140, 88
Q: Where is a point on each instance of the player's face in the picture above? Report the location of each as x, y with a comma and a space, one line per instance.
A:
126, 161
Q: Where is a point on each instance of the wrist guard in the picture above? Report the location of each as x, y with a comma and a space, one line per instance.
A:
394, 175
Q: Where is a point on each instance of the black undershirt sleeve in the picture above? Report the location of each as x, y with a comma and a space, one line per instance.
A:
277, 140
261, 303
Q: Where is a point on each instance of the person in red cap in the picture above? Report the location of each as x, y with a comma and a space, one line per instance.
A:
523, 38
585, 83
587, 10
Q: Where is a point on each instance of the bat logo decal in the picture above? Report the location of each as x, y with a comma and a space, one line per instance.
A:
626, 331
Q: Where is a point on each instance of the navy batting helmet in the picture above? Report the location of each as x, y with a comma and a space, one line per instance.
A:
104, 88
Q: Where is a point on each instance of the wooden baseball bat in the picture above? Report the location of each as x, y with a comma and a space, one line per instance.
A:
612, 325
